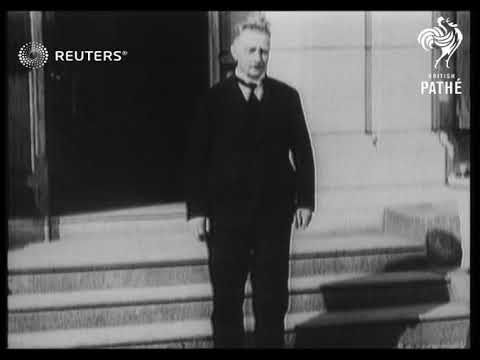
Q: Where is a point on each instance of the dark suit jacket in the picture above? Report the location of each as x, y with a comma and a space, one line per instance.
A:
236, 167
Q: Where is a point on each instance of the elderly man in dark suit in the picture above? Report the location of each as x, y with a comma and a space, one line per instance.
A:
244, 191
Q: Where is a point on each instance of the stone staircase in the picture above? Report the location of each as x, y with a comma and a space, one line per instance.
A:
138, 280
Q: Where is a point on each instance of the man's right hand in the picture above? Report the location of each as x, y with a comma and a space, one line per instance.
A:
200, 227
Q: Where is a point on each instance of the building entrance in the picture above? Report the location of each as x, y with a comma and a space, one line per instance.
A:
116, 130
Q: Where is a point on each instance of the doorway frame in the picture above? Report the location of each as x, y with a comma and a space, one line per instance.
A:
40, 179
214, 46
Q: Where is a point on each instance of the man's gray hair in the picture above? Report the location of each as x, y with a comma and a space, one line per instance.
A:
256, 22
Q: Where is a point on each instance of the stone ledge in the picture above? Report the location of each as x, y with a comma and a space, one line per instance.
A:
436, 225
414, 221
197, 292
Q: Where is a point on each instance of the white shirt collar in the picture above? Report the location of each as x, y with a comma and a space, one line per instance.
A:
244, 77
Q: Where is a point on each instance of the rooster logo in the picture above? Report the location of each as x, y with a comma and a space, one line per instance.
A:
447, 38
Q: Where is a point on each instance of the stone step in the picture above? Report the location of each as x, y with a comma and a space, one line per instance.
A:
115, 307
442, 325
325, 220
425, 325
193, 333
143, 262
165, 211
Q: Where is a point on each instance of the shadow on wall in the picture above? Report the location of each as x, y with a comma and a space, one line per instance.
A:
443, 248
377, 329
362, 328
352, 336
24, 231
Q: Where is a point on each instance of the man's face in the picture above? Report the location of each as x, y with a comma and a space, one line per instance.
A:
251, 50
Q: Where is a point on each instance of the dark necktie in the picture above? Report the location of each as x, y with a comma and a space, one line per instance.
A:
251, 98
253, 110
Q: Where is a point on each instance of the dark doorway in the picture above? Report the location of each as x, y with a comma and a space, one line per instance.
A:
116, 131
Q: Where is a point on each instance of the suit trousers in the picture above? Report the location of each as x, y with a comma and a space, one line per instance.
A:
260, 249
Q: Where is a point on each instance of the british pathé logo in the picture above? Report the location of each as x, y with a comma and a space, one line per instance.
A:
446, 36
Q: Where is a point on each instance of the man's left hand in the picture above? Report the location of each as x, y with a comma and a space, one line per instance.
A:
302, 218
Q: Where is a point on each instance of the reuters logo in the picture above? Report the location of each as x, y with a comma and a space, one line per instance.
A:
33, 55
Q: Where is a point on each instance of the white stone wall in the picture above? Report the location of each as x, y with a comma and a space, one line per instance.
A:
323, 55
399, 64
